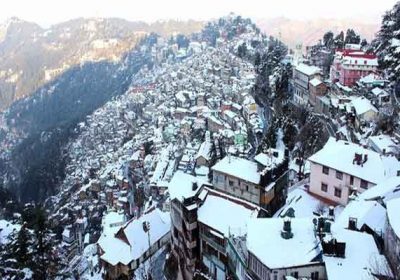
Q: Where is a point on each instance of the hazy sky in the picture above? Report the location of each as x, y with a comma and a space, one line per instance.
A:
47, 12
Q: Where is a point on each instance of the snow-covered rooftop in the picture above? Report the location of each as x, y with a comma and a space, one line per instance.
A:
308, 70
315, 82
378, 91
301, 202
374, 170
181, 185
383, 142
371, 78
117, 250
370, 213
271, 159
385, 190
264, 240
233, 213
362, 105
360, 257
205, 150
239, 168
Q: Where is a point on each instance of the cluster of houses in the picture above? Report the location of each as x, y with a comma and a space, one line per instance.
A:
352, 91
172, 164
188, 112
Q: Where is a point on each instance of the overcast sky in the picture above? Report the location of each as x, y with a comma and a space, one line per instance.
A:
47, 12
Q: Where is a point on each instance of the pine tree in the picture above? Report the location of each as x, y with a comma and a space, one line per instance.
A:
339, 41
289, 135
328, 39
352, 37
21, 247
387, 44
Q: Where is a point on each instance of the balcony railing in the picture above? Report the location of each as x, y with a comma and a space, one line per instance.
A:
214, 244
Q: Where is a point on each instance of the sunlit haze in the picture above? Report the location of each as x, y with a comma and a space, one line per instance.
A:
47, 12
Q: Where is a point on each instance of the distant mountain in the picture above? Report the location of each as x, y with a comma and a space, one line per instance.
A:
308, 32
31, 56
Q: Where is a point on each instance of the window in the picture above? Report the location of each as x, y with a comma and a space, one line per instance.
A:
339, 175
364, 184
338, 192
247, 188
315, 275
324, 187
351, 180
230, 183
295, 274
398, 172
325, 170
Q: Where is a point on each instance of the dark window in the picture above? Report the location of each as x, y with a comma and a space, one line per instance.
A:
398, 172
315, 275
247, 188
351, 180
339, 175
324, 187
230, 183
325, 170
295, 274
364, 184
338, 192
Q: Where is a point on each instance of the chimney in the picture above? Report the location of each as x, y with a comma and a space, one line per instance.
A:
365, 158
357, 158
286, 233
287, 226
352, 224
331, 213
194, 186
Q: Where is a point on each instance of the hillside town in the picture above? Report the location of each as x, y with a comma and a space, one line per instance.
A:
190, 174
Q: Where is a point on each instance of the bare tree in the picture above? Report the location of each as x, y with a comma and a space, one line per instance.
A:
388, 269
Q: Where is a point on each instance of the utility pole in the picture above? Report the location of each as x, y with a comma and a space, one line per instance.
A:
146, 228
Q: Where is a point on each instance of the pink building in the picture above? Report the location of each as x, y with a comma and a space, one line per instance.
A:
350, 65
340, 168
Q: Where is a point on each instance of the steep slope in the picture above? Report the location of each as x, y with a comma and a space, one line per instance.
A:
31, 56
46, 120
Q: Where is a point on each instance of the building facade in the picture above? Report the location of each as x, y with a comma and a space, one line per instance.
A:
350, 65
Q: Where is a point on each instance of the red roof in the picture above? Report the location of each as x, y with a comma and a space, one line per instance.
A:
356, 53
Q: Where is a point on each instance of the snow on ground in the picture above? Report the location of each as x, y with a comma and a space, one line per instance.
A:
89, 263
6, 228
279, 142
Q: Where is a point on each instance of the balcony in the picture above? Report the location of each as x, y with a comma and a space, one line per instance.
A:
190, 225
191, 244
212, 243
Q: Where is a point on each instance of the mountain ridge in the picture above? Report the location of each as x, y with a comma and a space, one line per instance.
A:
31, 56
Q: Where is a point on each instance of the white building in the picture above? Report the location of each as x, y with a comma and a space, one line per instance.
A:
279, 247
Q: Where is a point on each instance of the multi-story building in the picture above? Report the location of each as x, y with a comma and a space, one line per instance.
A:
341, 168
215, 229
392, 236
278, 248
302, 75
350, 65
317, 89
123, 249
262, 182
184, 192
